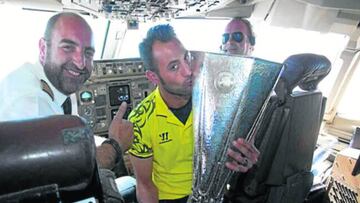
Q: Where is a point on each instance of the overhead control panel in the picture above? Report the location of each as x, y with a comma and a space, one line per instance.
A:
146, 9
111, 83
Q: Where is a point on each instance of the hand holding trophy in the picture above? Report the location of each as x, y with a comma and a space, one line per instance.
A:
229, 100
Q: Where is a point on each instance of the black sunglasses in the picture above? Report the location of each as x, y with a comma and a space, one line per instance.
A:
237, 36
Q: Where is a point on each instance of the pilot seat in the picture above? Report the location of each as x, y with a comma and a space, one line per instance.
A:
52, 159
287, 136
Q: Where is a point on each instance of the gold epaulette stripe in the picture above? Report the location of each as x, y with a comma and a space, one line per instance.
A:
46, 88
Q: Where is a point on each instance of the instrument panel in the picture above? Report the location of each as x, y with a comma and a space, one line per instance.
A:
111, 83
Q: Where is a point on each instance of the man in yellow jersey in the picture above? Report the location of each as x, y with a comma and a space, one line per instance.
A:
238, 37
162, 151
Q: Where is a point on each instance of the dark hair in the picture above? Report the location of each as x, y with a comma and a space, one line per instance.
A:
163, 33
250, 28
53, 20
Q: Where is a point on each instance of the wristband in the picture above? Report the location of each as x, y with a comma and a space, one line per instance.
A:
117, 148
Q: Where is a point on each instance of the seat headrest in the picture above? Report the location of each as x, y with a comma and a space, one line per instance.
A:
305, 70
57, 149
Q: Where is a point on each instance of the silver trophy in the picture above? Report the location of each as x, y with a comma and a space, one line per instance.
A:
229, 97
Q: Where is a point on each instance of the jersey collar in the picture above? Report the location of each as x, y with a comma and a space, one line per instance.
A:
163, 110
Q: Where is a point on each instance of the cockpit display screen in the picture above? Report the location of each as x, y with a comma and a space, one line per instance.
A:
118, 94
86, 96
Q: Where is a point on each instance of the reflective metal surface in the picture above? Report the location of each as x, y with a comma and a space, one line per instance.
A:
229, 96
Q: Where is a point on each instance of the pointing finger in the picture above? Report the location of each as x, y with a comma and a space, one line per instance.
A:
121, 112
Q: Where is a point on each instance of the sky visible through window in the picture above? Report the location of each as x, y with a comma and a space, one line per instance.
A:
349, 105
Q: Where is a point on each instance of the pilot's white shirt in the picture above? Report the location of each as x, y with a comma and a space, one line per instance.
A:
22, 96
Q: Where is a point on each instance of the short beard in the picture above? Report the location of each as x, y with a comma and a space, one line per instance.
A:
67, 86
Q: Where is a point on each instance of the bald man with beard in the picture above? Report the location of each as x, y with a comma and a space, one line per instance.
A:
42, 89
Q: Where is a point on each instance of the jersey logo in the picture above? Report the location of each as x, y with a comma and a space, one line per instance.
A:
164, 138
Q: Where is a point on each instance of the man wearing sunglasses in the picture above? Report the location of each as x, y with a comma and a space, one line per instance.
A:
238, 37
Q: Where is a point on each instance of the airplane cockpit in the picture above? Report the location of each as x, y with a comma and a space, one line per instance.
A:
309, 132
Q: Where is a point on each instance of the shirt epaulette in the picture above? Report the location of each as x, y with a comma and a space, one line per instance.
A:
46, 88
